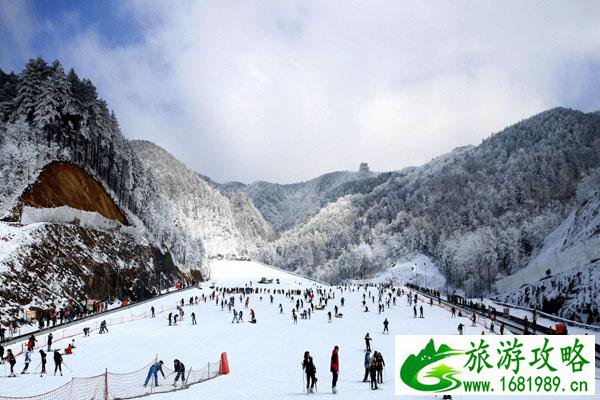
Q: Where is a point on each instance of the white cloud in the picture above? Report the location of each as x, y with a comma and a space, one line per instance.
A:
288, 90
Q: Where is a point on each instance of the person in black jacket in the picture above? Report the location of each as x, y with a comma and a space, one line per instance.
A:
180, 372
11, 360
43, 361
57, 362
373, 371
309, 368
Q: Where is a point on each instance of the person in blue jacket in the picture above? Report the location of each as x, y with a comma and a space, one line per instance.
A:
154, 370
367, 364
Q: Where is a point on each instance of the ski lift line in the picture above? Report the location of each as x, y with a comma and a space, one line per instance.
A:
549, 316
508, 323
16, 339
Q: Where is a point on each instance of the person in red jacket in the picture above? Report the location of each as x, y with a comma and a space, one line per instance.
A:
335, 368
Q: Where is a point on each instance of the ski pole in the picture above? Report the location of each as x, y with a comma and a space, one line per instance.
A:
65, 364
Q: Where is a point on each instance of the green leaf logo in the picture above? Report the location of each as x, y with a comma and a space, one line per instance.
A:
413, 365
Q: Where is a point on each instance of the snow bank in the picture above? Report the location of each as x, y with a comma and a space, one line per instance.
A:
86, 219
574, 243
420, 270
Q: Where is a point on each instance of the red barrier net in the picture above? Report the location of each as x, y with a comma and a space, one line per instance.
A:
111, 386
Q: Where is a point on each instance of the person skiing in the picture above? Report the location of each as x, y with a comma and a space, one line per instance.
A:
240, 314
154, 370
367, 364
421, 311
43, 361
252, 316
1, 354
373, 372
69, 349
502, 328
12, 361
415, 311
334, 368
368, 342
170, 317
50, 342
57, 362
180, 372
460, 329
329, 316
309, 368
152, 311
31, 342
380, 365
27, 361
386, 326
103, 328
193, 318
175, 319
235, 316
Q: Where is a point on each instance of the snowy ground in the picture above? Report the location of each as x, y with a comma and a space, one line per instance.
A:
264, 358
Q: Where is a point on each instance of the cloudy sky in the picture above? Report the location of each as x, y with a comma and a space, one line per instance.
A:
285, 91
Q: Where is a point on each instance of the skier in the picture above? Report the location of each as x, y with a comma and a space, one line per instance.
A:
252, 316
103, 328
31, 342
367, 364
57, 362
368, 342
386, 326
380, 364
334, 368
460, 329
154, 370
373, 372
1, 354
50, 341
309, 368
43, 361
502, 328
152, 311
421, 311
280, 309
11, 360
240, 316
329, 316
69, 349
474, 319
86, 331
180, 370
235, 316
193, 318
27, 361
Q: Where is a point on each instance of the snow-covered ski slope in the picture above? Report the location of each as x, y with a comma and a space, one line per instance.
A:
264, 358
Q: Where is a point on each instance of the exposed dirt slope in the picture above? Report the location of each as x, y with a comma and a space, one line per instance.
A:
63, 184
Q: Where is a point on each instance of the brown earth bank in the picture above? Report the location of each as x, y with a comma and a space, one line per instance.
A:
64, 184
